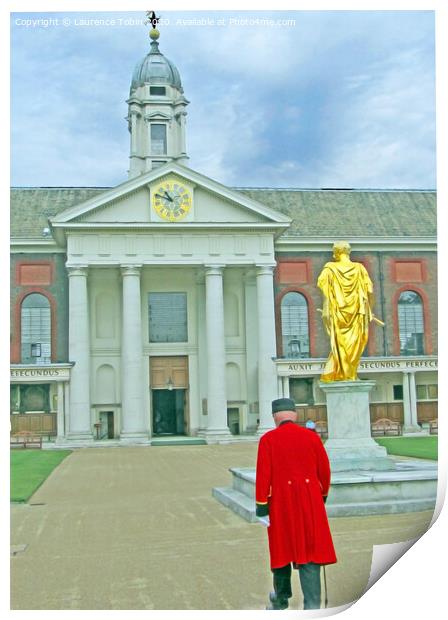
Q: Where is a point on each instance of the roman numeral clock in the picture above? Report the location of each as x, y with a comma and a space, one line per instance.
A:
171, 199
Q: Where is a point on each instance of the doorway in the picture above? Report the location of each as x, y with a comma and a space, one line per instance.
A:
169, 394
233, 420
168, 408
107, 424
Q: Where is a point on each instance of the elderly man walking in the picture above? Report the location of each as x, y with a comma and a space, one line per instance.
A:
292, 483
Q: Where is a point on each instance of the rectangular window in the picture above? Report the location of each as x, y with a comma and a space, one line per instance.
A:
422, 393
157, 163
301, 391
398, 392
168, 317
158, 139
432, 391
157, 90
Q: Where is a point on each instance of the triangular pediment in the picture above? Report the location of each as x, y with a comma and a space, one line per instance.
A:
132, 203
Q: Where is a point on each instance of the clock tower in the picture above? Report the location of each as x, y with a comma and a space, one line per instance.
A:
157, 111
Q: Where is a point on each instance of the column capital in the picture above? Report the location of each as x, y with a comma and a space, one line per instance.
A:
130, 270
265, 270
214, 270
77, 270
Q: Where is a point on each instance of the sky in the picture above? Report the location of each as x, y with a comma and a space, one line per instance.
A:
342, 99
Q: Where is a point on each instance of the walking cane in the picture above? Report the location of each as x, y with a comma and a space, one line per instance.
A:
325, 588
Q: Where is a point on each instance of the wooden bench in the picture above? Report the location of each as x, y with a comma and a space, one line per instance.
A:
322, 429
434, 427
25, 439
384, 427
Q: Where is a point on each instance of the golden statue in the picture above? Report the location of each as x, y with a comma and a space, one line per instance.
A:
347, 312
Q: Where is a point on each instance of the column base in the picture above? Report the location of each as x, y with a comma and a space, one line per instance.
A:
134, 437
412, 428
216, 435
78, 436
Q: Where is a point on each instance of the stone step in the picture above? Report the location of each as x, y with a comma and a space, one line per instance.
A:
410, 487
178, 441
361, 509
236, 501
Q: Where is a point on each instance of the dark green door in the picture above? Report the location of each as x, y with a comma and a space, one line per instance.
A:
168, 412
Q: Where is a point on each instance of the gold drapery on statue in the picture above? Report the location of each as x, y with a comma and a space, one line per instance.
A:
346, 313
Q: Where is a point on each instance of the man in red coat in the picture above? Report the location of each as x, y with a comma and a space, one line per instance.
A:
292, 483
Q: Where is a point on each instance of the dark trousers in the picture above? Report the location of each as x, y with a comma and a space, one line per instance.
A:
309, 575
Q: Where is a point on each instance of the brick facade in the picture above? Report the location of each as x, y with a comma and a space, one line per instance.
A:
50, 280
382, 268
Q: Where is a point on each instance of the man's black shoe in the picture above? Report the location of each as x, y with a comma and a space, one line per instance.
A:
277, 603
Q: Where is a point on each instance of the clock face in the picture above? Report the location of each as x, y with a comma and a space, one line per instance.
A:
171, 200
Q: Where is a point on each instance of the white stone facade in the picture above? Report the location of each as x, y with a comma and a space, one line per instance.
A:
222, 258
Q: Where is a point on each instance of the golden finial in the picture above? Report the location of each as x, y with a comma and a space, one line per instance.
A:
153, 20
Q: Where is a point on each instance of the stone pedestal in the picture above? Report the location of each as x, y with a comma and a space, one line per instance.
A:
350, 446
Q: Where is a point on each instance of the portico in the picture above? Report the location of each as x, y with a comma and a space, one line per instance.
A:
200, 289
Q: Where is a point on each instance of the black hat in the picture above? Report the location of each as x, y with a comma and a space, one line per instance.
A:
283, 404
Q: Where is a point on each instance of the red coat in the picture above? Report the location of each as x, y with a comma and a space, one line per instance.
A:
293, 475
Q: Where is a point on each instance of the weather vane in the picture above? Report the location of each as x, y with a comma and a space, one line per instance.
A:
152, 19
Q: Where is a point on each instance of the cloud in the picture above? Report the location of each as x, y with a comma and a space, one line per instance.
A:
338, 99
229, 133
383, 134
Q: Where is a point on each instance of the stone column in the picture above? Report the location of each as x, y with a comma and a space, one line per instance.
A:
413, 401
251, 341
266, 347
217, 429
80, 426
183, 143
145, 147
285, 387
202, 348
135, 163
407, 421
60, 415
134, 421
134, 149
280, 386
66, 407
409, 404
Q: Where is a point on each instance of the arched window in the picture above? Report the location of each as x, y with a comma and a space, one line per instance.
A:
295, 332
410, 323
35, 329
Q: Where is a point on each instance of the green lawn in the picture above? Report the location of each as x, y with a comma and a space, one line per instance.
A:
29, 469
418, 447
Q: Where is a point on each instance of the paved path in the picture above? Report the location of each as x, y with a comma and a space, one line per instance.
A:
137, 528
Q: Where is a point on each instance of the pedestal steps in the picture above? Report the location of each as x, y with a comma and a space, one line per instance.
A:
410, 487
